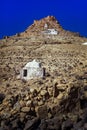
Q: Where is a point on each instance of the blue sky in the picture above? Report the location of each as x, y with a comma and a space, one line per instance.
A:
17, 15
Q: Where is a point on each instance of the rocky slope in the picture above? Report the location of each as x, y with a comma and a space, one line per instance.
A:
59, 100
35, 33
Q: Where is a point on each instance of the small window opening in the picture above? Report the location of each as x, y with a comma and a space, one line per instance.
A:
25, 72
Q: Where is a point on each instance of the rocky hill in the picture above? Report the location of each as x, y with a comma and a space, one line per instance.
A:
40, 31
40, 25
49, 22
59, 100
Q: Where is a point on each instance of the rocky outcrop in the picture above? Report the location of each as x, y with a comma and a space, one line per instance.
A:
39, 25
44, 31
44, 24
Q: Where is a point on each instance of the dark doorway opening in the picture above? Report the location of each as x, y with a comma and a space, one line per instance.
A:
25, 72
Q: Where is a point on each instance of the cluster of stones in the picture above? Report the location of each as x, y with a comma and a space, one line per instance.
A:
34, 104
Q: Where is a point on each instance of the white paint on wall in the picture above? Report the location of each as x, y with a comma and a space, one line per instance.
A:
32, 70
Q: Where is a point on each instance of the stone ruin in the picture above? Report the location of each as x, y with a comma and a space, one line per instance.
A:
50, 32
32, 70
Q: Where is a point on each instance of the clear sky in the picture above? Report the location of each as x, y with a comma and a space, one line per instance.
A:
17, 15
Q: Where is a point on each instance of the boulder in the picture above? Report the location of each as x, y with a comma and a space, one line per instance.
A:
32, 124
67, 125
53, 124
2, 96
42, 112
25, 109
43, 92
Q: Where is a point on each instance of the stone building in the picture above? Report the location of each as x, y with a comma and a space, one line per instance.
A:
32, 70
